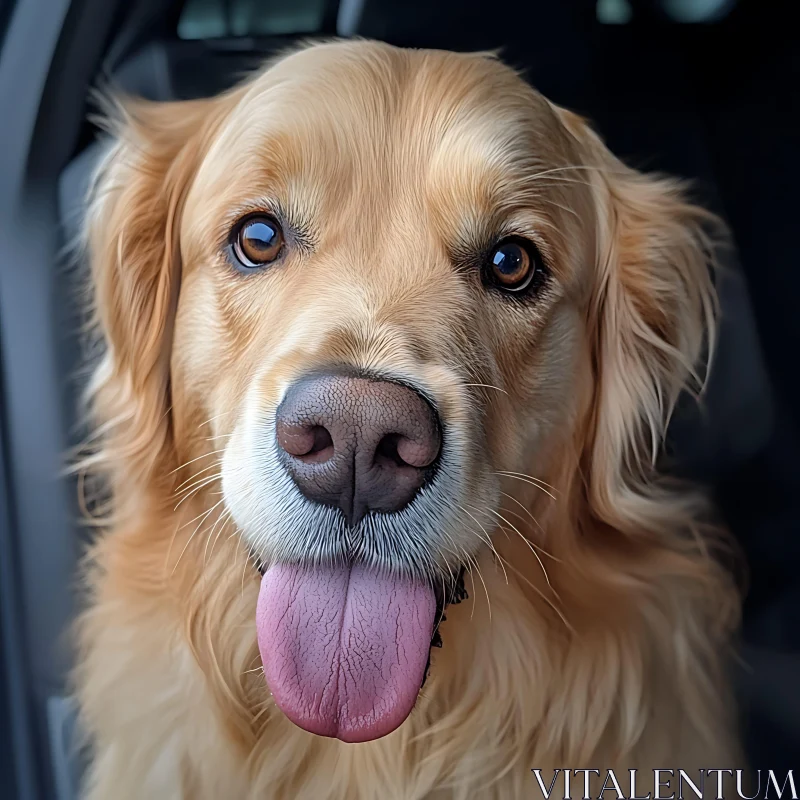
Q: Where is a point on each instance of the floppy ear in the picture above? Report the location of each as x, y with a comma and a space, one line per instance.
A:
132, 237
652, 323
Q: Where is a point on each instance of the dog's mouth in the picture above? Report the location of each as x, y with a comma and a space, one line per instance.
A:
346, 649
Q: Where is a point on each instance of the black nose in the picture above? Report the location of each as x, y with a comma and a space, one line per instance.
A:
359, 444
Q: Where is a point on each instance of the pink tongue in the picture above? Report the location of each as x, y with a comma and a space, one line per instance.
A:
344, 649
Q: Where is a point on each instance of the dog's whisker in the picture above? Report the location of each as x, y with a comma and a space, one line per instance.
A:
487, 540
520, 534
186, 464
195, 486
181, 488
530, 541
228, 516
239, 543
486, 386
544, 597
246, 561
535, 522
202, 513
517, 515
216, 416
194, 532
454, 549
233, 533
194, 491
207, 481
178, 527
493, 523
530, 547
222, 518
474, 562
217, 436
526, 479
524, 578
215, 465
530, 477
471, 561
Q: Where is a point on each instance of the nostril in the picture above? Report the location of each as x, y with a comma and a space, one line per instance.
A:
418, 453
322, 446
387, 451
309, 443
405, 452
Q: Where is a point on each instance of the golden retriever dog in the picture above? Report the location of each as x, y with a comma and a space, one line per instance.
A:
391, 343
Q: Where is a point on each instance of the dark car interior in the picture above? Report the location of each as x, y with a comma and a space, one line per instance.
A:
704, 89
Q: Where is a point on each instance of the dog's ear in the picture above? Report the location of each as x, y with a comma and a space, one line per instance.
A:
132, 239
652, 319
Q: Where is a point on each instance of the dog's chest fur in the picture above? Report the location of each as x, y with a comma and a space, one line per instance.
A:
188, 714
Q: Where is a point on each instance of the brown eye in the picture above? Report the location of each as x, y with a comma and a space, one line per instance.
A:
513, 265
256, 241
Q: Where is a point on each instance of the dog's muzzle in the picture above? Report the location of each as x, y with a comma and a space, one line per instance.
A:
346, 647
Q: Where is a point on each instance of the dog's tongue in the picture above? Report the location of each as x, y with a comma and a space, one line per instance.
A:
344, 649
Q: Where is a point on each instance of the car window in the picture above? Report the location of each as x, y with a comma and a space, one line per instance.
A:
620, 12
6, 7
217, 19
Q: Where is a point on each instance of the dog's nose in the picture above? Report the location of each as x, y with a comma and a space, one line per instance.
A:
359, 444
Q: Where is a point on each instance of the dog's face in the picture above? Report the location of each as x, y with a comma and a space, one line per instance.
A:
399, 244
400, 276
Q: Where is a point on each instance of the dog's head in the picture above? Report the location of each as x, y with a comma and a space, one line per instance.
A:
385, 300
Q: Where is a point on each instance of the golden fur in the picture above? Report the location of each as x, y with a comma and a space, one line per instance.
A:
596, 633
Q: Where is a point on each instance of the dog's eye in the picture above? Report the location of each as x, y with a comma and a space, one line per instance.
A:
513, 264
256, 241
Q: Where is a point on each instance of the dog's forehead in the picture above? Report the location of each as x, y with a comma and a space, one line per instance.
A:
333, 116
394, 93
